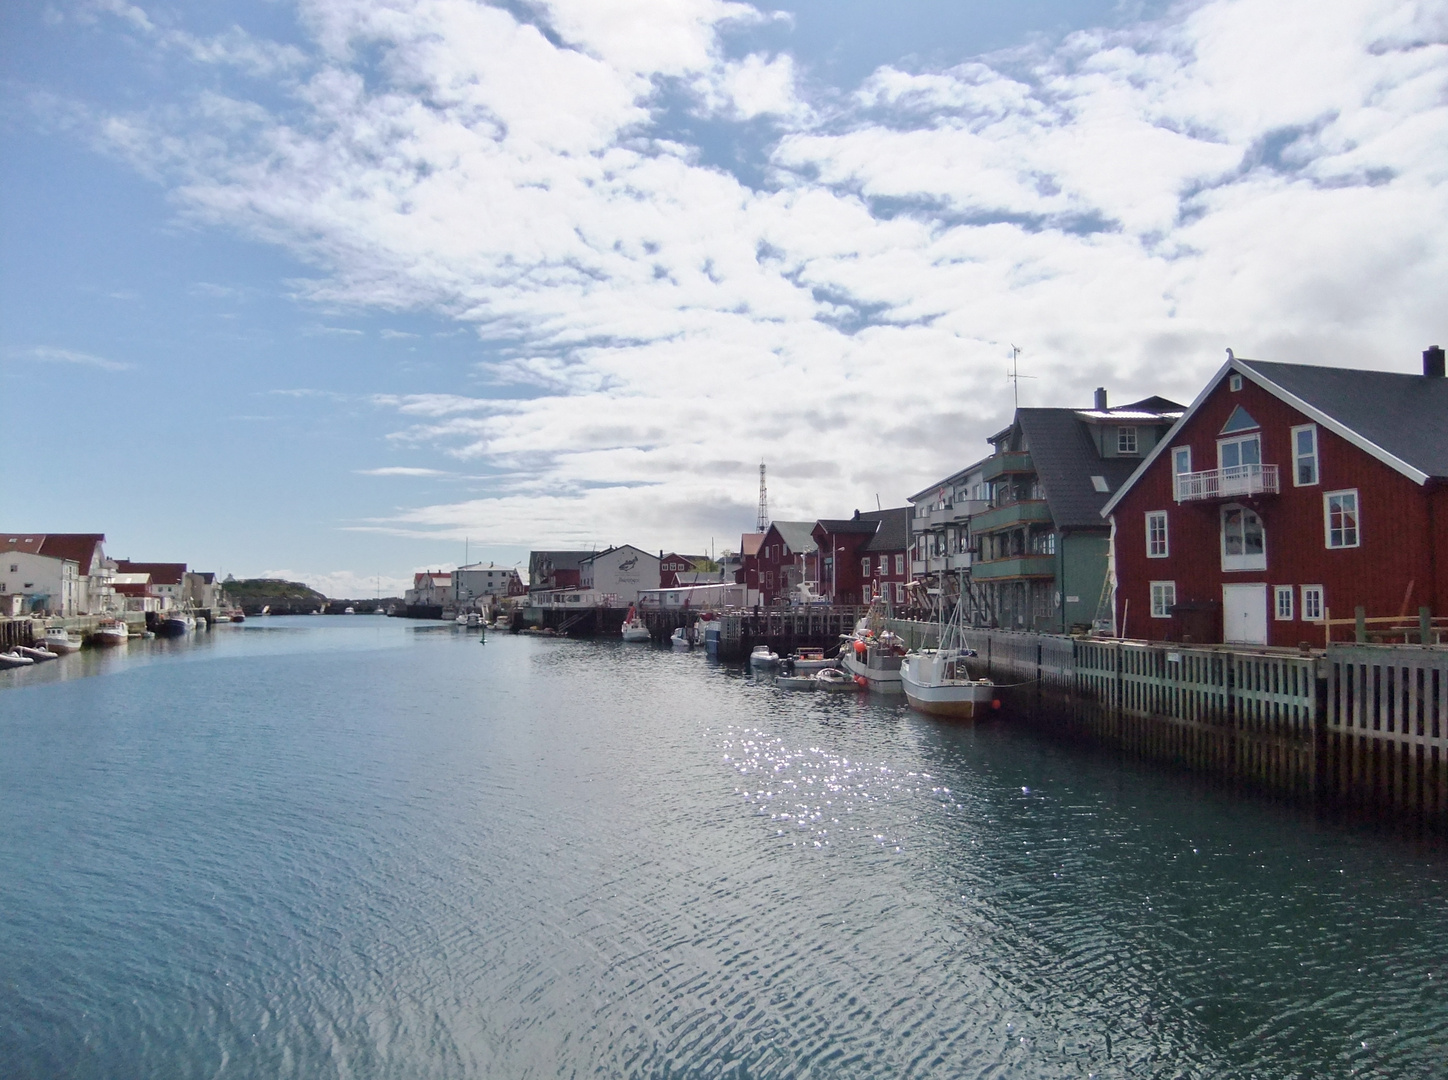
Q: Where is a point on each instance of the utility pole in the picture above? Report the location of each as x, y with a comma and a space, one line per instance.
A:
763, 522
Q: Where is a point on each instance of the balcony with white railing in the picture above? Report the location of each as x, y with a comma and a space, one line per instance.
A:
1233, 482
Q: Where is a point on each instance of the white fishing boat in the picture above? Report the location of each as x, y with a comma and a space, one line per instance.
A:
349, 610
763, 656
58, 640
13, 659
873, 653
679, 639
111, 632
633, 628
796, 682
938, 681
834, 679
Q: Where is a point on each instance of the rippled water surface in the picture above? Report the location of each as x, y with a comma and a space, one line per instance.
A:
352, 847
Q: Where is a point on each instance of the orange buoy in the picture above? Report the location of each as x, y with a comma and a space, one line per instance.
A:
861, 681
860, 646
996, 704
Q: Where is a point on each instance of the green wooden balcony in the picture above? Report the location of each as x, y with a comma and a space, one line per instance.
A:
1018, 566
1028, 511
1012, 461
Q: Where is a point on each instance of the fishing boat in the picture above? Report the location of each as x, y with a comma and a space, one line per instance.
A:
796, 682
111, 632
938, 681
679, 639
872, 654
834, 679
238, 615
58, 640
13, 659
810, 660
38, 655
633, 628
174, 626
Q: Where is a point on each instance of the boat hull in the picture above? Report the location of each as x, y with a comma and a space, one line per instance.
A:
955, 703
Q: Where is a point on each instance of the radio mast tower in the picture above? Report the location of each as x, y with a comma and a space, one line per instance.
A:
763, 522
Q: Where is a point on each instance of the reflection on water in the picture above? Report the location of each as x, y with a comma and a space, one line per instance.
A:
343, 847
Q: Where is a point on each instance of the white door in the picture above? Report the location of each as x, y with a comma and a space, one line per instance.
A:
1244, 614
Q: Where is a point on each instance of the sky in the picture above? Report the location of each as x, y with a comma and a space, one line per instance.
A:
338, 290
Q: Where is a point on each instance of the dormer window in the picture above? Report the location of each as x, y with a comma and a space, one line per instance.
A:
1126, 440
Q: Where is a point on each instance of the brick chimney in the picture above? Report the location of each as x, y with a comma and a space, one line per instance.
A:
1101, 396
1433, 362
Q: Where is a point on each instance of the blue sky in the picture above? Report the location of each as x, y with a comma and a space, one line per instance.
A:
325, 288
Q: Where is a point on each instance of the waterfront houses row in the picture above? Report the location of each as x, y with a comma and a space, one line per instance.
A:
1286, 504
65, 575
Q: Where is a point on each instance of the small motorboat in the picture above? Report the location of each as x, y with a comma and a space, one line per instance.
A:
679, 639
834, 679
58, 640
633, 628
763, 656
111, 632
38, 655
349, 611
808, 660
238, 615
266, 609
796, 682
14, 659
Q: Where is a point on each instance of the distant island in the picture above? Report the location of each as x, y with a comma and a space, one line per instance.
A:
293, 598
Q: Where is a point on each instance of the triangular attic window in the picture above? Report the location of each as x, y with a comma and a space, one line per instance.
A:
1240, 420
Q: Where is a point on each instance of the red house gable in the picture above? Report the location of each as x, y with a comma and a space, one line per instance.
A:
1285, 494
864, 556
787, 556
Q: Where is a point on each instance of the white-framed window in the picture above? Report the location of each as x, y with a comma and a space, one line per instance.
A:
899, 592
1312, 605
1244, 541
1282, 606
865, 594
1234, 382
865, 566
1163, 598
1156, 539
900, 566
1340, 518
1237, 456
884, 562
1126, 440
1304, 455
1181, 460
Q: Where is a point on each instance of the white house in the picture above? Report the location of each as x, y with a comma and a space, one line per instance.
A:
46, 585
430, 588
93, 594
478, 585
619, 573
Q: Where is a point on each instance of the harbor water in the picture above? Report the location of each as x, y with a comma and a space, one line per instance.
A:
360, 847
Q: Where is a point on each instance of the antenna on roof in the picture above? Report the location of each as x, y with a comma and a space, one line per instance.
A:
1015, 375
763, 502
877, 501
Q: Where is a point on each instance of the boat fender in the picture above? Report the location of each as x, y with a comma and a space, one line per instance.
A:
861, 681
860, 646
996, 704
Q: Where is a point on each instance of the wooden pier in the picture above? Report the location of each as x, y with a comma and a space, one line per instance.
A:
1358, 725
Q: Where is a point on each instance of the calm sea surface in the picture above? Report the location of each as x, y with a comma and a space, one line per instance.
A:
352, 847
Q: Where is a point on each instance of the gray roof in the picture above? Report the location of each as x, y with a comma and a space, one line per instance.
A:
1405, 416
1065, 460
894, 531
796, 534
1402, 420
858, 524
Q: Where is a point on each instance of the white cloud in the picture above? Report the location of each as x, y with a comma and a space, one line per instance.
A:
49, 355
400, 470
1124, 205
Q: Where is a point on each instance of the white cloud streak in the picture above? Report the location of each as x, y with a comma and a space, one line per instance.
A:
46, 354
1123, 205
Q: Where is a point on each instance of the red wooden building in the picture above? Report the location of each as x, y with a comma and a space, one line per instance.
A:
671, 566
787, 556
864, 556
1287, 492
